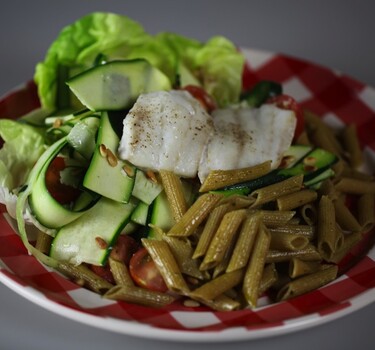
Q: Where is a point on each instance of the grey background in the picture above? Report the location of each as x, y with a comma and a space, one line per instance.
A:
338, 34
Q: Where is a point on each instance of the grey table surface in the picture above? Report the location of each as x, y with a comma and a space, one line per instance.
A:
337, 34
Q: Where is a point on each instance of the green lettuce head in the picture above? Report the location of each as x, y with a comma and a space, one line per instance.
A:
216, 65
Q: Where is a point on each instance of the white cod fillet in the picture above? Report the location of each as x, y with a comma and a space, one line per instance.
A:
245, 137
166, 130
171, 131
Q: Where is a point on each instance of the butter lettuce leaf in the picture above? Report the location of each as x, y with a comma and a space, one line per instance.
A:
77, 46
215, 65
219, 66
23, 145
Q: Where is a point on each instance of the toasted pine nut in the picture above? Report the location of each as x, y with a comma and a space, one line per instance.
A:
111, 158
101, 243
103, 150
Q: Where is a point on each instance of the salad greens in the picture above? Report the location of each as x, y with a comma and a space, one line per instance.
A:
216, 65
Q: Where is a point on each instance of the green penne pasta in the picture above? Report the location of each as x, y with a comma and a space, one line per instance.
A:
167, 265
217, 179
307, 283
221, 241
270, 193
245, 242
195, 215
254, 271
139, 296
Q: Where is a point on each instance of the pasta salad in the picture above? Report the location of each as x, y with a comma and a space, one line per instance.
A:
151, 176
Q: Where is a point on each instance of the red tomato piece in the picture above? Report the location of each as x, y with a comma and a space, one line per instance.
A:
289, 103
124, 248
103, 272
64, 194
145, 273
206, 100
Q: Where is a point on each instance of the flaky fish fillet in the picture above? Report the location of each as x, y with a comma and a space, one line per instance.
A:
166, 130
171, 131
245, 137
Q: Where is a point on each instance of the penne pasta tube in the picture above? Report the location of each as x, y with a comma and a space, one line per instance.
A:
328, 237
137, 295
237, 201
222, 303
195, 215
287, 241
309, 214
302, 230
310, 253
320, 134
272, 192
175, 193
307, 283
218, 179
355, 186
167, 265
223, 264
245, 242
43, 242
344, 217
183, 251
221, 241
120, 272
82, 273
296, 199
274, 218
349, 241
351, 145
366, 211
298, 267
211, 226
269, 278
254, 271
216, 287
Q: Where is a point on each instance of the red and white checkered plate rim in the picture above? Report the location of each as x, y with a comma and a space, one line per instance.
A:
336, 97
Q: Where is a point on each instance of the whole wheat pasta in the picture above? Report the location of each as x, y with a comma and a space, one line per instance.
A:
120, 272
310, 253
222, 238
328, 237
217, 179
138, 295
195, 215
296, 199
288, 241
210, 227
355, 186
216, 287
351, 145
175, 193
307, 283
345, 218
366, 211
167, 265
272, 192
245, 242
254, 271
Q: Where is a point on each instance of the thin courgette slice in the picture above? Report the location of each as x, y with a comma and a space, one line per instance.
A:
90, 238
107, 175
116, 85
47, 211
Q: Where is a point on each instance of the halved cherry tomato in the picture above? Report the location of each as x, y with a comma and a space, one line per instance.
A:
288, 102
145, 273
124, 248
64, 194
206, 100
103, 272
